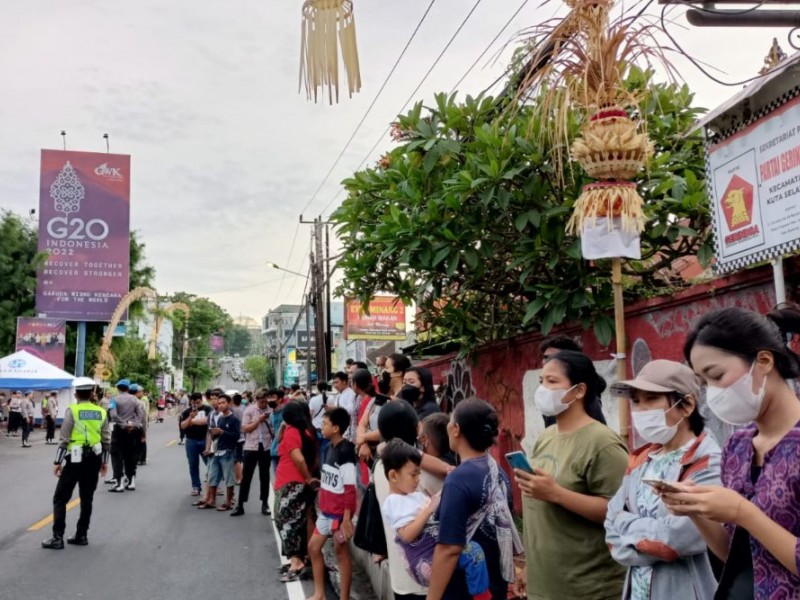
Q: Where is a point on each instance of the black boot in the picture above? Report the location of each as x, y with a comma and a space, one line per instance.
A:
238, 511
265, 509
54, 543
79, 539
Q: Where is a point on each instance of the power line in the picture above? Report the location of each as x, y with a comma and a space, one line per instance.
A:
416, 89
485, 50
355, 131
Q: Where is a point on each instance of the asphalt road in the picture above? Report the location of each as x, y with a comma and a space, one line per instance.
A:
146, 544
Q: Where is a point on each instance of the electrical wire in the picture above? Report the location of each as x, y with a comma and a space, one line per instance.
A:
696, 63
419, 85
485, 50
353, 135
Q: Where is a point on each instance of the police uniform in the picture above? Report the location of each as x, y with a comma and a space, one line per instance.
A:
84, 445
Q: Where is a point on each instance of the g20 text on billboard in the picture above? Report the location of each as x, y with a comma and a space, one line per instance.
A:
84, 227
754, 178
386, 319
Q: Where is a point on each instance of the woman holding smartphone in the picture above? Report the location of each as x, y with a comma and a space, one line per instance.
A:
745, 360
578, 464
666, 555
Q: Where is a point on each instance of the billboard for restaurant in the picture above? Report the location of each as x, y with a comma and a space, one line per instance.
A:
44, 338
754, 178
84, 227
386, 319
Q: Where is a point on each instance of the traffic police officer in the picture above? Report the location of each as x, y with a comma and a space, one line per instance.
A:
85, 440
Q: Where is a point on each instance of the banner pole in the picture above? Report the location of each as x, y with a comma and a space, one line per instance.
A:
780, 282
619, 335
80, 353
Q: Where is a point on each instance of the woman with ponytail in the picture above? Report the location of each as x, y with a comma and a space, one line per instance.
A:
745, 361
578, 465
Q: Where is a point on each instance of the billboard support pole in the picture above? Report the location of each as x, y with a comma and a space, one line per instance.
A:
780, 282
80, 352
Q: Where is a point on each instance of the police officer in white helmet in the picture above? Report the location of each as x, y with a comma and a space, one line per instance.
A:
84, 445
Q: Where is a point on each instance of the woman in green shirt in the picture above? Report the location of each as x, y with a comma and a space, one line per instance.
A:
578, 465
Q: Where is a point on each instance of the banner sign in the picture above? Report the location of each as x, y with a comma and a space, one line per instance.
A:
217, 343
44, 338
386, 319
84, 227
754, 179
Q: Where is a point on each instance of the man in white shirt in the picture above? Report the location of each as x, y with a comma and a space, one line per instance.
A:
347, 400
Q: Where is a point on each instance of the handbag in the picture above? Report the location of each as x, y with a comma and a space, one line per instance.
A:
370, 535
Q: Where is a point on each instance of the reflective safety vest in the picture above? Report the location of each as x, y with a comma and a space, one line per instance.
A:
88, 421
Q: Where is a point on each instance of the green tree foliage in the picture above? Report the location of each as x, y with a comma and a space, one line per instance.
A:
260, 371
466, 218
132, 363
205, 319
18, 260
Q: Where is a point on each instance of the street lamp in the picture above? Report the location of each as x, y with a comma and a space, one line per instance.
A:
272, 265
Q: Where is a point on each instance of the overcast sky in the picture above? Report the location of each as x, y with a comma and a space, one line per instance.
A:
225, 152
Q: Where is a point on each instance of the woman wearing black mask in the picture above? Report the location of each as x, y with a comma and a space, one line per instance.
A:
392, 379
418, 391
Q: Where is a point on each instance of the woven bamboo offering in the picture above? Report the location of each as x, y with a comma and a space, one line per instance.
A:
611, 147
327, 26
614, 199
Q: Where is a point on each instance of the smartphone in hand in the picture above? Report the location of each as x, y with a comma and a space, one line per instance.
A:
518, 460
660, 485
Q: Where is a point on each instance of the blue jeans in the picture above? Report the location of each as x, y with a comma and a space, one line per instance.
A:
194, 453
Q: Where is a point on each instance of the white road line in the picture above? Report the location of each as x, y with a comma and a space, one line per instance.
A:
294, 589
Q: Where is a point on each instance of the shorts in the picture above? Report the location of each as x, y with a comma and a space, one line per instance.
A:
221, 469
326, 525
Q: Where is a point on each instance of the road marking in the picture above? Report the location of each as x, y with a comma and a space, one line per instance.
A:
294, 589
171, 443
49, 518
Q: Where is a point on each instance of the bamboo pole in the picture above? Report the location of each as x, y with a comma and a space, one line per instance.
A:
619, 336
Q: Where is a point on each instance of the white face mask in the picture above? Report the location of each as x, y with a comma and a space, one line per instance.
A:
736, 404
549, 402
652, 425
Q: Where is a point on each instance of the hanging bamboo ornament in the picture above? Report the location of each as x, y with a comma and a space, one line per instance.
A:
327, 26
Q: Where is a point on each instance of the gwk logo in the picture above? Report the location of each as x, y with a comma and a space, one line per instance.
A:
108, 172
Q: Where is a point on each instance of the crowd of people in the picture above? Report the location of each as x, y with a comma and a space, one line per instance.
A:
677, 518
373, 461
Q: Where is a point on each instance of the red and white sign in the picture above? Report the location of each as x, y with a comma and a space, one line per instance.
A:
386, 319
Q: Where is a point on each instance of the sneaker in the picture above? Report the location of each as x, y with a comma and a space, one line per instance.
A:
78, 540
180, 443
265, 509
54, 543
131, 484
111, 481
118, 488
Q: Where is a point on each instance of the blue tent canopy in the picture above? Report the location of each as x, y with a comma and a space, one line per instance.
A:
24, 371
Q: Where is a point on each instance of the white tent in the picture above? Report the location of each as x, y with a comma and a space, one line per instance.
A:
23, 371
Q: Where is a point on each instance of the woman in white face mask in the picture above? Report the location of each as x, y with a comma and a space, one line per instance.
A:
665, 555
578, 464
744, 359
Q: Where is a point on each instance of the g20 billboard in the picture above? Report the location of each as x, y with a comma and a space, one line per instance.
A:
84, 227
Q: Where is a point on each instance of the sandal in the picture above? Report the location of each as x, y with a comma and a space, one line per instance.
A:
292, 575
195, 492
284, 568
224, 507
198, 503
205, 506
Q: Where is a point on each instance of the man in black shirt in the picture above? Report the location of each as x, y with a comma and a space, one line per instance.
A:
194, 425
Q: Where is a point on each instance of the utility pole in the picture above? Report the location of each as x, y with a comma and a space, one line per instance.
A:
319, 315
328, 328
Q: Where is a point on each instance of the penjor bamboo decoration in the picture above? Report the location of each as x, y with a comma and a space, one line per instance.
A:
327, 26
590, 56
